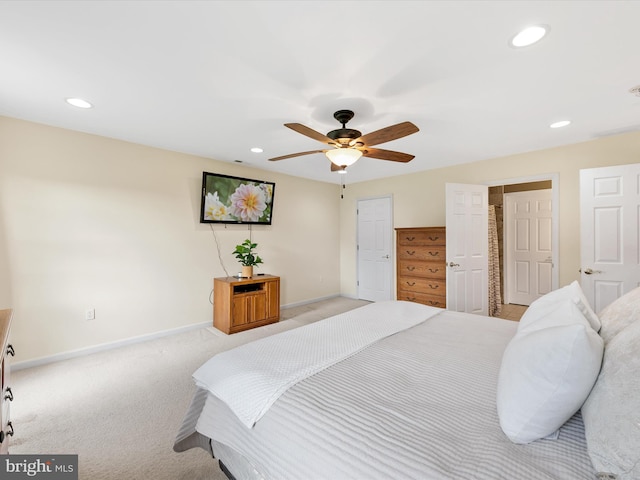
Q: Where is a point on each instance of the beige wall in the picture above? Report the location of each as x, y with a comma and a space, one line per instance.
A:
92, 222
419, 199
87, 221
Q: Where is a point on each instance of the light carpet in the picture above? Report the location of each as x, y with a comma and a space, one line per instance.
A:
120, 409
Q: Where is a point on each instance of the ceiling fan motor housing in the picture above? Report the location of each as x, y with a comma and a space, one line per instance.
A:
344, 134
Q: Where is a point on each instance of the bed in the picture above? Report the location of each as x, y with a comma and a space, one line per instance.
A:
429, 399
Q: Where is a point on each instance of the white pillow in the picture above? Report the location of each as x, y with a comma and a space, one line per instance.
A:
619, 314
546, 375
546, 304
611, 414
560, 312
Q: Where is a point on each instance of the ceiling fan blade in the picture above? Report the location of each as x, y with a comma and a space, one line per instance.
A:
336, 168
297, 127
387, 155
299, 154
389, 133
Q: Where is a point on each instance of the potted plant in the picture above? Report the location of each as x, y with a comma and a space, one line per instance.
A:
244, 253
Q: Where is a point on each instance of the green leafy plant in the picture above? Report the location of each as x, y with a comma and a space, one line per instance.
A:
244, 253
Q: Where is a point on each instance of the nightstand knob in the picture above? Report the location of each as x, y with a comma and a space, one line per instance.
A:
9, 394
10, 350
10, 425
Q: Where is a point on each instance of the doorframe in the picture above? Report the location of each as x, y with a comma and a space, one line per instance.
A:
392, 283
555, 215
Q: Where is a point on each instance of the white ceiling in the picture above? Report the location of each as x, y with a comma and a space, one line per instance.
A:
215, 78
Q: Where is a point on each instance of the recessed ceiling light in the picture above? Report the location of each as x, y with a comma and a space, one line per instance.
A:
78, 102
529, 36
257, 150
560, 124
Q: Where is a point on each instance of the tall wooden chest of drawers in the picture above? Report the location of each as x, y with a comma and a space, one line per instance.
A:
6, 395
421, 265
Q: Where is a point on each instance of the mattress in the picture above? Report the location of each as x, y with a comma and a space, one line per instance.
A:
419, 404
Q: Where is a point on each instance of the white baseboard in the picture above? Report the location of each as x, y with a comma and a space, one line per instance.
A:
143, 338
104, 346
307, 302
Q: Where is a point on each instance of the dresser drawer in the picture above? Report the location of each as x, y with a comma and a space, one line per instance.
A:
422, 238
422, 285
431, 300
416, 268
411, 252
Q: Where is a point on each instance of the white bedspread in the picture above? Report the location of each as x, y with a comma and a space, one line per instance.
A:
417, 405
250, 378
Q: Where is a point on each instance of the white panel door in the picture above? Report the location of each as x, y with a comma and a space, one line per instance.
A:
528, 252
609, 231
467, 248
375, 245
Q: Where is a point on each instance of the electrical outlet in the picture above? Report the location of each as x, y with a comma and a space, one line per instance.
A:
90, 314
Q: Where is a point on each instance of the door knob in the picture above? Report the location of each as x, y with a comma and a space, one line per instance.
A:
589, 271
451, 264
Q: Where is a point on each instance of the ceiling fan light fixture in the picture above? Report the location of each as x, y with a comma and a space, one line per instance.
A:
343, 157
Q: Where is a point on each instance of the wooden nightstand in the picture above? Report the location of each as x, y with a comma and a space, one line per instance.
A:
243, 303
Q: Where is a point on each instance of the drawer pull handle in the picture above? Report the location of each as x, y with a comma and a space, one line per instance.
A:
434, 270
10, 425
10, 350
9, 394
432, 303
411, 239
411, 284
433, 239
434, 254
434, 288
411, 252
411, 268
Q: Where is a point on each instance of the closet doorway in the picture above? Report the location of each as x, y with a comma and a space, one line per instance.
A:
527, 230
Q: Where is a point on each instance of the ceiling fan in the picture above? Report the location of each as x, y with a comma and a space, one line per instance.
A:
349, 145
